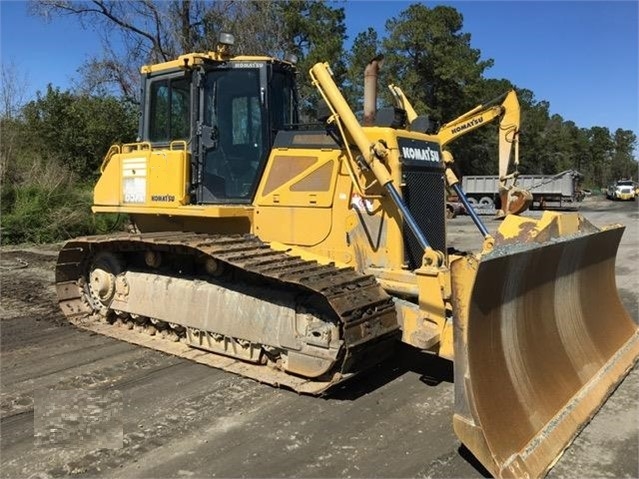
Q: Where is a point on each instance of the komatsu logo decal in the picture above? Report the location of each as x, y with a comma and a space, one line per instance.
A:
167, 198
420, 153
466, 126
425, 154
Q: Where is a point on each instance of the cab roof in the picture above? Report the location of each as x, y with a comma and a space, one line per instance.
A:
190, 60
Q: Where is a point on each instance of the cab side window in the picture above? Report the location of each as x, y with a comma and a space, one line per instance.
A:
169, 110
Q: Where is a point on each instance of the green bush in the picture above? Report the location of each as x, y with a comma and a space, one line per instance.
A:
77, 130
49, 206
49, 159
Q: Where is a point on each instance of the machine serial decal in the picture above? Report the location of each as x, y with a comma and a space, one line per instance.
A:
134, 180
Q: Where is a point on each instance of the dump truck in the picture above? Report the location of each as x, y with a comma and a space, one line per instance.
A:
300, 255
560, 191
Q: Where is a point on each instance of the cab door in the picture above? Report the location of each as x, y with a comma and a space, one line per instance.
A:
233, 132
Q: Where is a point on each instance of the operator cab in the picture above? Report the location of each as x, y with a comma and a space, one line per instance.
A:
226, 111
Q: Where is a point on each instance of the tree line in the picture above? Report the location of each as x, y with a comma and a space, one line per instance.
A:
53, 145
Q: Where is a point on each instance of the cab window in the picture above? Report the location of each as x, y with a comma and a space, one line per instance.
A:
233, 109
282, 100
169, 110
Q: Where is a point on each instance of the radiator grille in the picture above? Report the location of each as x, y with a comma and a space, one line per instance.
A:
424, 194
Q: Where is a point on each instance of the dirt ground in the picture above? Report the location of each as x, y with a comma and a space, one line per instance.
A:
73, 403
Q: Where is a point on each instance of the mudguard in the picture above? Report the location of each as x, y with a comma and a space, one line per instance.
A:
541, 340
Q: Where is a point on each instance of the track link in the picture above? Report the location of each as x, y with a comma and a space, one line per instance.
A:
365, 313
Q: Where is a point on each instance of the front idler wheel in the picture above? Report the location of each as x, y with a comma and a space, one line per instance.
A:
100, 282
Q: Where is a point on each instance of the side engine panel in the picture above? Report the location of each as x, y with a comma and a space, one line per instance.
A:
141, 177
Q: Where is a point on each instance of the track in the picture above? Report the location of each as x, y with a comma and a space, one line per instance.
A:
365, 313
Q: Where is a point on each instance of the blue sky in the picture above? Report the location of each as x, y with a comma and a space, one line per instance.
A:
581, 56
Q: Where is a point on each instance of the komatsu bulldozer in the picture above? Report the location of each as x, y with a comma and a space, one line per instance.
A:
299, 255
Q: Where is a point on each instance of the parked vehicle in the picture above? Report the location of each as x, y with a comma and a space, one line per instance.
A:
622, 190
560, 191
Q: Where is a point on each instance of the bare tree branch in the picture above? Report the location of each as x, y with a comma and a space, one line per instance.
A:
139, 32
13, 90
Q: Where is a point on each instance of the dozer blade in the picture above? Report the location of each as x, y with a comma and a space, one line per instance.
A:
541, 340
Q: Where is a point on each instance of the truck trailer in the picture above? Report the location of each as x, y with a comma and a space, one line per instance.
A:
552, 192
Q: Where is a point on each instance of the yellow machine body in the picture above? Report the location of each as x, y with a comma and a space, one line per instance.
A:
535, 353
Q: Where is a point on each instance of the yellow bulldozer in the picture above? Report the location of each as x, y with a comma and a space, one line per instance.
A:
299, 255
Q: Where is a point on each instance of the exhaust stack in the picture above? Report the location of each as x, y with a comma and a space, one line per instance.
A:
371, 72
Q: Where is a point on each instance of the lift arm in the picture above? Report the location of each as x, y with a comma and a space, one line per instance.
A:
373, 153
403, 102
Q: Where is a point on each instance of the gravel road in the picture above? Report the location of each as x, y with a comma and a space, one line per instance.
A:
77, 404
